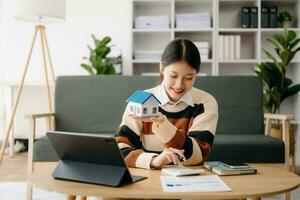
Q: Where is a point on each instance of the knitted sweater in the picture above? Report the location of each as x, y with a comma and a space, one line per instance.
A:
187, 127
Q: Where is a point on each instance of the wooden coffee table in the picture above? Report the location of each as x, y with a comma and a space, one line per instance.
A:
268, 181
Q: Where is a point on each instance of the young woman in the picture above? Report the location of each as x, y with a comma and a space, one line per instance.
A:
189, 117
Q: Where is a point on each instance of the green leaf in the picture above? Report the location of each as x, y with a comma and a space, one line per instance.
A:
98, 57
88, 68
290, 91
270, 56
294, 43
275, 40
290, 36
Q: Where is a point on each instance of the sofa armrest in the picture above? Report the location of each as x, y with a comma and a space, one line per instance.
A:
50, 126
38, 115
278, 116
282, 118
285, 121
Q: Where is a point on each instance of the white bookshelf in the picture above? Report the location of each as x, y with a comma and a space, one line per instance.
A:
156, 39
225, 20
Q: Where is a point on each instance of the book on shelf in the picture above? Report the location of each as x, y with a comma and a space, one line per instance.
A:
221, 47
245, 17
229, 47
223, 169
253, 17
152, 22
249, 17
193, 20
237, 47
264, 17
273, 12
226, 47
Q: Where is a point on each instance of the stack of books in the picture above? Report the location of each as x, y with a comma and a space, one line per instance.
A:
152, 22
193, 20
249, 17
147, 55
223, 168
229, 47
269, 16
203, 48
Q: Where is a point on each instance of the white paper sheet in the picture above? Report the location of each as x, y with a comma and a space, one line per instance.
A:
209, 183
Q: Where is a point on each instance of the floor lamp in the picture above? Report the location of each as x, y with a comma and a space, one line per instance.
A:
38, 11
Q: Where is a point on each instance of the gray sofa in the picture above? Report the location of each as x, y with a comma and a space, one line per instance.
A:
95, 104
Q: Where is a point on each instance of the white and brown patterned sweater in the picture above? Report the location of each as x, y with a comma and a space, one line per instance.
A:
187, 127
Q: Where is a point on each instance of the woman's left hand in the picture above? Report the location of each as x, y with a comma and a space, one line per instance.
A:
157, 119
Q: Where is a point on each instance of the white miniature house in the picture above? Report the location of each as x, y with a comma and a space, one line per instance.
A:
143, 104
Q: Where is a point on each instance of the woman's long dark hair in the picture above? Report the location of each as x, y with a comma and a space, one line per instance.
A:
180, 50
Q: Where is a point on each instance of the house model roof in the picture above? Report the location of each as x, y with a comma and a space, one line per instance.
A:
141, 97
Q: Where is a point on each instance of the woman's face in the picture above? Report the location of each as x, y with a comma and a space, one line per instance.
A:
178, 79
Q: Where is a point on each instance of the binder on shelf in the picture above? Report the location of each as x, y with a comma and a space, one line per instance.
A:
273, 11
253, 17
245, 17
264, 17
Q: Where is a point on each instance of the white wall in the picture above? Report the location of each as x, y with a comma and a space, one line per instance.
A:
68, 40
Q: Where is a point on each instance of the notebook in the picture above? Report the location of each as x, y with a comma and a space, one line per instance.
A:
90, 158
219, 168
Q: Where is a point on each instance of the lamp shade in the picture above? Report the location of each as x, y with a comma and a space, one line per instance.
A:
40, 10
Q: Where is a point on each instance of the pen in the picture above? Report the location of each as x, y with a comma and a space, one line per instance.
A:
180, 160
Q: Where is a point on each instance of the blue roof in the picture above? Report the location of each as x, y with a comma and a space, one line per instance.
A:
140, 96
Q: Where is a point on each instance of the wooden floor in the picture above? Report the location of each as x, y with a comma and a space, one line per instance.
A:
14, 169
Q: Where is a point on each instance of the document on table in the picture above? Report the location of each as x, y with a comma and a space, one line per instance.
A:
209, 183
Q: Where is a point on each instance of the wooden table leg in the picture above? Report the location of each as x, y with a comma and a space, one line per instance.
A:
71, 197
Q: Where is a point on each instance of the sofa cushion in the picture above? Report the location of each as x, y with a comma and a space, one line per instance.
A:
244, 148
240, 102
95, 104
248, 148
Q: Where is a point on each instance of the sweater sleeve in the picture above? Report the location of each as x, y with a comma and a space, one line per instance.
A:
198, 139
128, 137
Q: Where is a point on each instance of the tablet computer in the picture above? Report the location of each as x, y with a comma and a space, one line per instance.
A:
90, 158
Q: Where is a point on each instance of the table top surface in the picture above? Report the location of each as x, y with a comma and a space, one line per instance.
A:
268, 181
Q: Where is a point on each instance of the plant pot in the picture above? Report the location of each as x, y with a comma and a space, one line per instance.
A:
287, 24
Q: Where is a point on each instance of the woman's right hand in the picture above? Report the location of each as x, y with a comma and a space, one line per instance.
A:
166, 157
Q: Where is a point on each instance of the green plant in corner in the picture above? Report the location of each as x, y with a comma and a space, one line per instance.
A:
99, 63
276, 85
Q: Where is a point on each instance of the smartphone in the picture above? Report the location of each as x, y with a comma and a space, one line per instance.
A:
234, 164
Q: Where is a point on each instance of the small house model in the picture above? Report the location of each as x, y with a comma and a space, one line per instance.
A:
143, 104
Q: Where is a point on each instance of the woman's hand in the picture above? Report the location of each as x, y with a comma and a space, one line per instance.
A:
157, 119
166, 157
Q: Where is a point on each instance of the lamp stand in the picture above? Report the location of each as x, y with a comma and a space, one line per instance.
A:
45, 56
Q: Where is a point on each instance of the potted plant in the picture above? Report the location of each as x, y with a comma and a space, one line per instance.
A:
286, 19
99, 62
276, 85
